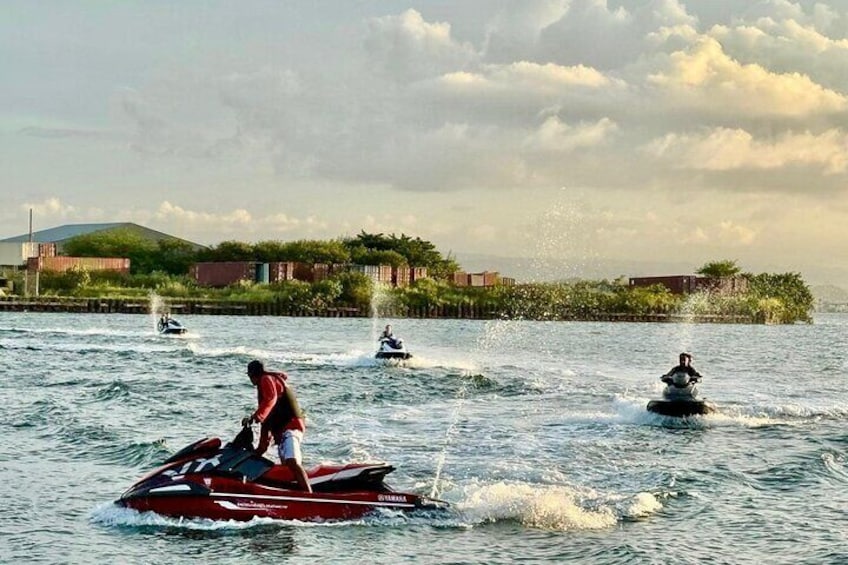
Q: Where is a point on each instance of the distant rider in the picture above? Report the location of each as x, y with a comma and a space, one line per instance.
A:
387, 335
281, 419
685, 366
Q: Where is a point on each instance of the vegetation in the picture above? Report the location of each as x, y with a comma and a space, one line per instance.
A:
162, 268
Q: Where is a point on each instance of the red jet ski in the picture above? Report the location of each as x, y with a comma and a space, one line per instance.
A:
205, 480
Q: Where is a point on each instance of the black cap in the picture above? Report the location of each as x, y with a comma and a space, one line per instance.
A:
255, 368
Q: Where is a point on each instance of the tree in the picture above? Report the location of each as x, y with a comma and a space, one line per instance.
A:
228, 251
724, 268
173, 256
115, 243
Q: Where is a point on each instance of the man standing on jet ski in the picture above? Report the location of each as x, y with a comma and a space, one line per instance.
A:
281, 419
685, 366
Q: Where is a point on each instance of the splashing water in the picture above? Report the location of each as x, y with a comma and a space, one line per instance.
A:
157, 308
555, 508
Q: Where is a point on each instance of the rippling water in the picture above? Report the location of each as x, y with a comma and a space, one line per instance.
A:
536, 432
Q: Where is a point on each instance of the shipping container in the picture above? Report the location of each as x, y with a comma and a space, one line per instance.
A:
401, 276
16, 254
677, 284
303, 272
460, 278
418, 273
61, 263
490, 278
280, 271
320, 271
263, 273
507, 281
476, 279
224, 273
47, 250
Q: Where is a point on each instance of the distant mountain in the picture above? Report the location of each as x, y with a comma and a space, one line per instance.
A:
830, 294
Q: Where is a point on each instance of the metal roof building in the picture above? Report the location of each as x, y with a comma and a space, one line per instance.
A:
60, 234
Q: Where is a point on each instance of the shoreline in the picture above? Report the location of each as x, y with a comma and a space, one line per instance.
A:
235, 308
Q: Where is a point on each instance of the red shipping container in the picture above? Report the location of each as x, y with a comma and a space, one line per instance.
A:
303, 272
62, 263
677, 284
224, 273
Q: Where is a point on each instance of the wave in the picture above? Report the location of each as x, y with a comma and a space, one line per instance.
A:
628, 409
553, 507
70, 331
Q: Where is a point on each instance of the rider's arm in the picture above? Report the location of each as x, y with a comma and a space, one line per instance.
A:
264, 440
267, 393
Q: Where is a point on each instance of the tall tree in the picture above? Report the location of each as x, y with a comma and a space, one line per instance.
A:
724, 268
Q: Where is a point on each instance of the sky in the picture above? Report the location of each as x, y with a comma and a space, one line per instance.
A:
550, 137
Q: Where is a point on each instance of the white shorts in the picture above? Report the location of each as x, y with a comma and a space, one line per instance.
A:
289, 448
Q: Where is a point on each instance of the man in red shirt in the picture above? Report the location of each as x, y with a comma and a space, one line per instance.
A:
281, 419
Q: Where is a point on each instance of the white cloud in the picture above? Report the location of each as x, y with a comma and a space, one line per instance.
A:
706, 78
51, 208
725, 149
557, 136
407, 47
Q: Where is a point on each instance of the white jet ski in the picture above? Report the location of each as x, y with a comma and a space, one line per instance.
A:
169, 326
392, 348
680, 397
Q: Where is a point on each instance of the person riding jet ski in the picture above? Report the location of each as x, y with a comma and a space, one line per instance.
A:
389, 337
685, 366
680, 395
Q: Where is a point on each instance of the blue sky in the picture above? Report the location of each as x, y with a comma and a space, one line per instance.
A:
578, 133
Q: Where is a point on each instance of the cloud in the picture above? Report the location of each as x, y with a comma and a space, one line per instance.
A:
51, 208
406, 47
724, 149
706, 78
556, 136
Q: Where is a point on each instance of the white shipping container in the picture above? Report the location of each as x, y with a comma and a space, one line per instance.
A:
16, 253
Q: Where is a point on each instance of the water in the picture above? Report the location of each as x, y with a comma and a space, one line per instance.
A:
536, 432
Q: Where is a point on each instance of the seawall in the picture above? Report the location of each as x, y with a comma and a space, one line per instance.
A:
231, 308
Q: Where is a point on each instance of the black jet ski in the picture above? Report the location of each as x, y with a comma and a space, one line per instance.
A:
169, 326
680, 398
392, 348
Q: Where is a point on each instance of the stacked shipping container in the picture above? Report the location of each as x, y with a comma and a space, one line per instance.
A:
16, 254
227, 273
484, 279
61, 263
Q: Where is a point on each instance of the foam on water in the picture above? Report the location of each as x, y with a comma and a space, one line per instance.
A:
552, 507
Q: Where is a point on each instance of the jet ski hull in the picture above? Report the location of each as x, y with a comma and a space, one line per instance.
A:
173, 331
229, 500
681, 408
204, 480
393, 355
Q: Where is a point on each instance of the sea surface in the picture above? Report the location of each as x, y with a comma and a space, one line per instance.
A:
536, 432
